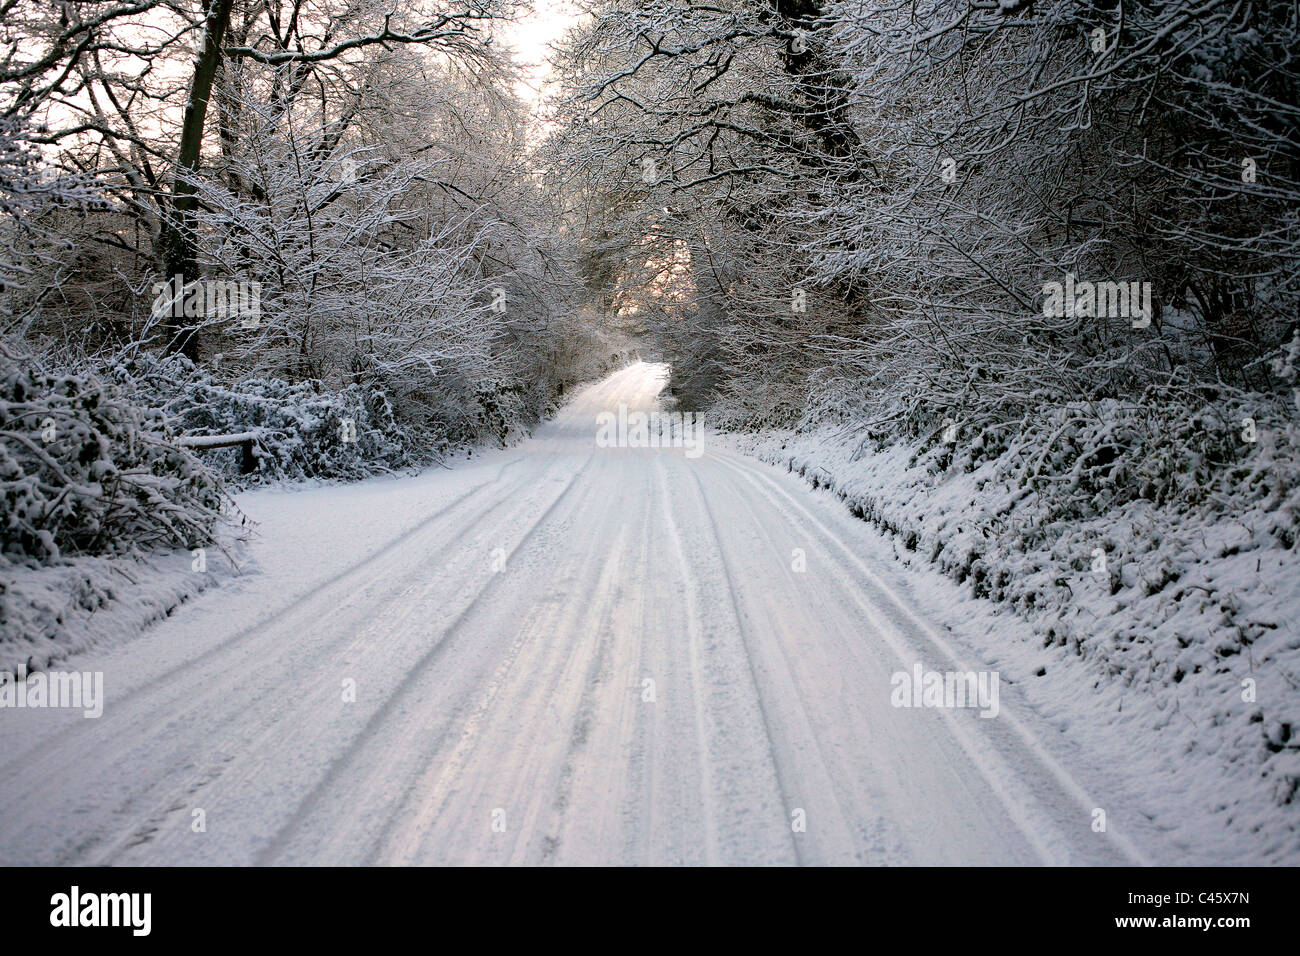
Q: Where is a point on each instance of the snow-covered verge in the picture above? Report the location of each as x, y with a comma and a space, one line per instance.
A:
1157, 625
50, 612
97, 511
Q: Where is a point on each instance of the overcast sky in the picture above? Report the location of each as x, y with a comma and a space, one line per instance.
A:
530, 38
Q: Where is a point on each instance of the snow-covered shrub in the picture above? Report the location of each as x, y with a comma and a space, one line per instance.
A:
303, 431
84, 470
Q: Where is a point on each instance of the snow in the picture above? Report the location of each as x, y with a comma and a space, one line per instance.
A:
214, 441
1177, 662
51, 612
562, 653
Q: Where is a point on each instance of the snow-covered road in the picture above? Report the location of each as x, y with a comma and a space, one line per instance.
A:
560, 653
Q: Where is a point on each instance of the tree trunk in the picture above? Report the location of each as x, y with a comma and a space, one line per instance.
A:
177, 240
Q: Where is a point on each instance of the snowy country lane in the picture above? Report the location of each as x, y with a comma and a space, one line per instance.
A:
501, 620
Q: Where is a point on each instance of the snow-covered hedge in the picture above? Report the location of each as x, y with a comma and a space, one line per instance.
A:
304, 432
84, 470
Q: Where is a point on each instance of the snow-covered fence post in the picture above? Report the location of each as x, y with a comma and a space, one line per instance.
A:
246, 441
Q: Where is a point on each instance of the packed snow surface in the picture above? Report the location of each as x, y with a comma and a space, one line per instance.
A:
566, 653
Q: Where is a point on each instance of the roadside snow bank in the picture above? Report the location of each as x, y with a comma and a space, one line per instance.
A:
1162, 626
52, 611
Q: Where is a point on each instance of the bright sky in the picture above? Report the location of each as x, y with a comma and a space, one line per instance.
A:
529, 37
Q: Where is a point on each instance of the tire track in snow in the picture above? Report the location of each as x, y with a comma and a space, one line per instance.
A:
208, 692
445, 795
742, 626
983, 754
370, 730
23, 760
